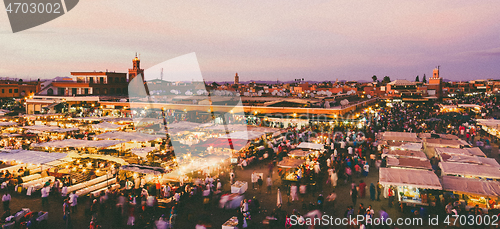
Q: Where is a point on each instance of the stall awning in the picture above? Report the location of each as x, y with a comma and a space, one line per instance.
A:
8, 123
457, 158
54, 129
99, 156
406, 154
237, 144
289, 163
245, 135
310, 145
107, 126
409, 163
399, 136
299, 153
465, 151
471, 186
483, 171
78, 143
30, 157
142, 152
129, 136
143, 169
409, 177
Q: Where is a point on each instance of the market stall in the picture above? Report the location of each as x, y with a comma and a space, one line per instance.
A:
292, 170
147, 176
469, 170
415, 163
106, 126
405, 154
474, 192
299, 153
458, 158
310, 145
411, 184
76, 144
491, 126
475, 151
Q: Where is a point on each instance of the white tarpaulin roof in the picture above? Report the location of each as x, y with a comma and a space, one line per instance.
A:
107, 126
465, 151
78, 143
399, 136
40, 128
410, 146
441, 142
8, 123
299, 153
416, 163
457, 158
245, 135
99, 156
310, 145
492, 123
142, 152
92, 118
129, 136
181, 126
471, 186
230, 127
143, 169
184, 125
409, 177
463, 169
28, 156
406, 153
290, 163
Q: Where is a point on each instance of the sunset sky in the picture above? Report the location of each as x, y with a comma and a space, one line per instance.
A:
265, 40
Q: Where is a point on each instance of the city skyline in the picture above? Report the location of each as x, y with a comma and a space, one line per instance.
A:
320, 41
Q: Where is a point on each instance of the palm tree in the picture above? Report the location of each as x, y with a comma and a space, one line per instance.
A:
374, 78
386, 80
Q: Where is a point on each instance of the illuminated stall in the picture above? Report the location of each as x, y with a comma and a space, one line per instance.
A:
472, 192
412, 185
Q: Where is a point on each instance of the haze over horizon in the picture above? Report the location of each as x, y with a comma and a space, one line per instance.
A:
265, 40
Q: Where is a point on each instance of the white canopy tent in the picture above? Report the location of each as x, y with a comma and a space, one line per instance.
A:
8, 123
143, 169
75, 155
54, 129
310, 145
142, 152
469, 170
410, 146
465, 151
458, 158
78, 143
471, 186
299, 153
30, 157
129, 136
107, 126
409, 177
405, 154
289, 163
398, 136
244, 135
